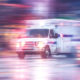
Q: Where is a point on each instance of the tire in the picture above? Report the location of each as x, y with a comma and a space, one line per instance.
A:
21, 55
46, 53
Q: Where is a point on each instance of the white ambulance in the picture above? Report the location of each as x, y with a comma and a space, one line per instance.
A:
49, 40
39, 39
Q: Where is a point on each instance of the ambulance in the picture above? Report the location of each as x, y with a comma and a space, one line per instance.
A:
48, 40
40, 40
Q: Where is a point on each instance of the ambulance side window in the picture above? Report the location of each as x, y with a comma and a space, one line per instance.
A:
51, 33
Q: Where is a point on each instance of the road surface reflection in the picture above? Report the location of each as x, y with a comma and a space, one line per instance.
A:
35, 68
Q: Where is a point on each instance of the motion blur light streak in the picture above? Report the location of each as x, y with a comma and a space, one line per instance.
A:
20, 74
14, 5
41, 71
19, 70
39, 74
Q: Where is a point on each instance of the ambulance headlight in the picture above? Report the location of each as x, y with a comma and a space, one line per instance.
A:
20, 44
40, 45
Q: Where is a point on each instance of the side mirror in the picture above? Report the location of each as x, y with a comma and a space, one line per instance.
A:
56, 35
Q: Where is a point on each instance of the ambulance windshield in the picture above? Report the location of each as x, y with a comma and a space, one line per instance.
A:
37, 33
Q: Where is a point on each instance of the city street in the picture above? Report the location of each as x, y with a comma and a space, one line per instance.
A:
35, 68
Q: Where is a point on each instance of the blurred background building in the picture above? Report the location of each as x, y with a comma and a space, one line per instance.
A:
15, 11
69, 9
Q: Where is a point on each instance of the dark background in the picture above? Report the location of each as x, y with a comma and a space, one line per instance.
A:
65, 9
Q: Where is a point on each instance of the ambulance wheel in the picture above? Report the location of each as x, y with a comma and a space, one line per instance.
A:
21, 55
46, 53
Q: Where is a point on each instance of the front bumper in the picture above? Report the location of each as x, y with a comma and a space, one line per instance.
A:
32, 50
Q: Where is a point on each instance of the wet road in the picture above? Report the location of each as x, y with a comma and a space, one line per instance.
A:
35, 68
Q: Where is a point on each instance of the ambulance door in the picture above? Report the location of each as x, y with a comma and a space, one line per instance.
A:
52, 41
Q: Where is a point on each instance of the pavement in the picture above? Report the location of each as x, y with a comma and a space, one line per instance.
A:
33, 67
